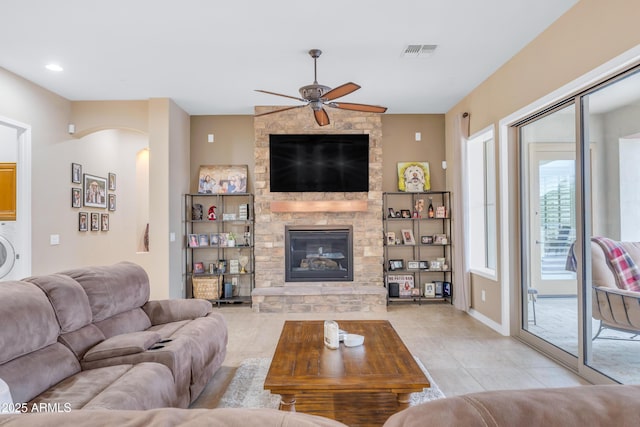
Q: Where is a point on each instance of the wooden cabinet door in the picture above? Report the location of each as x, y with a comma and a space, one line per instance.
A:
7, 191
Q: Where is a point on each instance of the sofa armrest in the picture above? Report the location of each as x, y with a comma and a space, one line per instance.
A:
175, 310
122, 345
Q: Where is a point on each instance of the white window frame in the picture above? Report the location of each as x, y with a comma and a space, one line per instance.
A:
481, 203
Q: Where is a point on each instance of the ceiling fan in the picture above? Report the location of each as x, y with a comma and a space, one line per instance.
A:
318, 96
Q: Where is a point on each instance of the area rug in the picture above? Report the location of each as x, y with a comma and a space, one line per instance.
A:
246, 388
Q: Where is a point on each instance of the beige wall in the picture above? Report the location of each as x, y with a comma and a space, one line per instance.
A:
233, 144
588, 35
399, 145
108, 135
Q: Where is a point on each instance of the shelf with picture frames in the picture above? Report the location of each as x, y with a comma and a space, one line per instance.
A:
219, 246
417, 246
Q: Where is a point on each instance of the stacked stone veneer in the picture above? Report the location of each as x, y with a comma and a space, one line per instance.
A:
366, 292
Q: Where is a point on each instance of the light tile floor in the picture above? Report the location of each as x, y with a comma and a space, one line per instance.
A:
557, 323
462, 354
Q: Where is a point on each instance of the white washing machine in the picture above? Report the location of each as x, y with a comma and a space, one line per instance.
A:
8, 236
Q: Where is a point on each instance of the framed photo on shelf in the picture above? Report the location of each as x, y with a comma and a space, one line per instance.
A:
112, 181
435, 265
429, 290
76, 173
440, 239
203, 240
95, 221
391, 238
426, 240
217, 179
423, 265
441, 212
83, 221
405, 213
438, 290
95, 191
415, 292
446, 289
414, 177
192, 241
407, 237
214, 239
413, 265
198, 268
76, 197
392, 213
104, 220
396, 264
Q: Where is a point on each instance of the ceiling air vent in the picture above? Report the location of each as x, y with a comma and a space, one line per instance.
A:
419, 50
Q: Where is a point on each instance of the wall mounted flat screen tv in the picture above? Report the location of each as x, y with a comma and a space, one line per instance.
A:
319, 163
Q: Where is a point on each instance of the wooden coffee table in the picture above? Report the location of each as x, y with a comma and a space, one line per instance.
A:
374, 380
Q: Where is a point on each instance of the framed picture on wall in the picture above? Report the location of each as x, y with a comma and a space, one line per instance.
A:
104, 220
112, 202
76, 197
83, 221
95, 191
76, 173
95, 221
112, 181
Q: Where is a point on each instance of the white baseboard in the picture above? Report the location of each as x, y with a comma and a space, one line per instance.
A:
501, 329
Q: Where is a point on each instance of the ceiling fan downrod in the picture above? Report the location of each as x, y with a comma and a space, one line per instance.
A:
315, 54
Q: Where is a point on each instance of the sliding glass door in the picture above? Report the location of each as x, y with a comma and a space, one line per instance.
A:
549, 290
611, 120
579, 216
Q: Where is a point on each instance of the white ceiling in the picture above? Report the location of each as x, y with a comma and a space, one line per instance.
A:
209, 55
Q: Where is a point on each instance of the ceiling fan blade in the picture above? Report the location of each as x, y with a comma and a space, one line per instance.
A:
279, 94
322, 118
358, 107
339, 91
279, 110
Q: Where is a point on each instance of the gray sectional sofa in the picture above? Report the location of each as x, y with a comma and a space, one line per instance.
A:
89, 338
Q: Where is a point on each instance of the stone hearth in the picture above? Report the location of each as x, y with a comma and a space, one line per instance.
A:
274, 211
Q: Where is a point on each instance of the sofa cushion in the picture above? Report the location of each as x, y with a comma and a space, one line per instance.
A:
122, 345
27, 320
142, 386
112, 289
133, 320
174, 417
32, 374
598, 405
82, 340
68, 299
126, 391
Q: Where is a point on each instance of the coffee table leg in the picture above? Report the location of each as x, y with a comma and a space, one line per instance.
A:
288, 403
403, 401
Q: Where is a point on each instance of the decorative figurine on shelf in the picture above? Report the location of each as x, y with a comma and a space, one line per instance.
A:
419, 207
212, 213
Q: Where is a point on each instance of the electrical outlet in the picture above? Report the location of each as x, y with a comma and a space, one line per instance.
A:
483, 296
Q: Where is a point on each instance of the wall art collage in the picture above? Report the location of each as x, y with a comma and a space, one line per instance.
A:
95, 192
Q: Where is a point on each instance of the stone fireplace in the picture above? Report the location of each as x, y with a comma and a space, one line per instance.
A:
277, 212
318, 254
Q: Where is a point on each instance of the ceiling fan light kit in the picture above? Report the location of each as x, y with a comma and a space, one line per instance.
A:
318, 96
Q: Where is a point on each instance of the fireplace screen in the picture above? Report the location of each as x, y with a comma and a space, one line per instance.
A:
315, 254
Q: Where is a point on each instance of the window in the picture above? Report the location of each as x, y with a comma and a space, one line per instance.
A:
481, 190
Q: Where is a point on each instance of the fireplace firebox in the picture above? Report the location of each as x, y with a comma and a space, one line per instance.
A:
318, 253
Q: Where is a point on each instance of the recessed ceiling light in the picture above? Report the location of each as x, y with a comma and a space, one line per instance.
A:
54, 67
